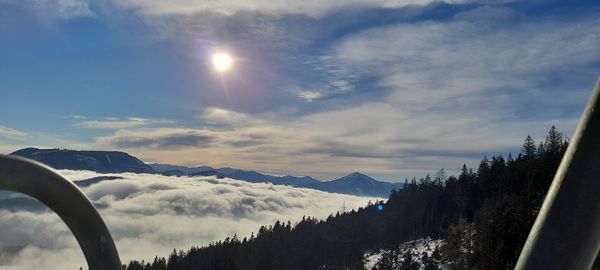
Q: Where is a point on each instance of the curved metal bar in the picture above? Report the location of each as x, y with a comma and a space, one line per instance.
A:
566, 233
63, 197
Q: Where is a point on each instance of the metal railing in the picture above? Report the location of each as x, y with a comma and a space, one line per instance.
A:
566, 232
68, 202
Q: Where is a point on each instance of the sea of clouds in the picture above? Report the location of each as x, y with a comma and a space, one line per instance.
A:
151, 215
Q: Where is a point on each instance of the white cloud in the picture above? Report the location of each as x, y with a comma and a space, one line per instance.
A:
336, 79
56, 9
311, 7
309, 96
78, 117
449, 89
445, 91
220, 116
119, 123
10, 133
150, 215
383, 138
158, 138
437, 63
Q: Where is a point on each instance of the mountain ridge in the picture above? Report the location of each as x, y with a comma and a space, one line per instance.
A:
98, 161
356, 183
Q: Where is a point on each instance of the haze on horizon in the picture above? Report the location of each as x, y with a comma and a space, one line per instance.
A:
389, 88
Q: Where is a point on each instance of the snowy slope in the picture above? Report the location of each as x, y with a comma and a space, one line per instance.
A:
416, 248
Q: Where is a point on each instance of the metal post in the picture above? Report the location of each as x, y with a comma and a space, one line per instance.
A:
63, 197
566, 233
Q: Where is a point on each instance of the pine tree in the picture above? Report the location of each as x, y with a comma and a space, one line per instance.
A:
553, 142
174, 260
440, 176
484, 167
541, 151
463, 172
528, 149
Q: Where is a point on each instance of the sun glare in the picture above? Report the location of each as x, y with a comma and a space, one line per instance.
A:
222, 61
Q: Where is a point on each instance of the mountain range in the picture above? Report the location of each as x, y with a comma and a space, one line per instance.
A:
249, 176
98, 161
118, 162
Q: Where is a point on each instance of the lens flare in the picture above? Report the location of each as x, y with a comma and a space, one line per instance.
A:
222, 61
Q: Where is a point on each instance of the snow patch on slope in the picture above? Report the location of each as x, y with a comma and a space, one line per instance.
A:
416, 247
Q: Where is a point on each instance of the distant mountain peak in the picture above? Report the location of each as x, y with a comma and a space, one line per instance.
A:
99, 161
356, 176
355, 183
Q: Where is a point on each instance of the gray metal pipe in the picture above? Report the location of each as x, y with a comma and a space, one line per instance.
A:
65, 199
566, 233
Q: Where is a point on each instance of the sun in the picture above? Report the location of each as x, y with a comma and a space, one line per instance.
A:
222, 61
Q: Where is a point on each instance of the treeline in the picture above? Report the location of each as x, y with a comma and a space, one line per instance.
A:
507, 198
484, 215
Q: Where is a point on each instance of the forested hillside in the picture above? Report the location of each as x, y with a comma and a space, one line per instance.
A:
484, 215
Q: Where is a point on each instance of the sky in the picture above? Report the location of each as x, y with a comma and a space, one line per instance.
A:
150, 215
323, 88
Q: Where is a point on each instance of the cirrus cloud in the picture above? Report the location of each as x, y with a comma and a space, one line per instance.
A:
55, 9
311, 8
159, 138
118, 123
10, 133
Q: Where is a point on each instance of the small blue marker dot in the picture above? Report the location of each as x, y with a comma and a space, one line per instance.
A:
380, 207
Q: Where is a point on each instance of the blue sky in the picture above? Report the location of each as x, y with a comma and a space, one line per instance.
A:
321, 88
